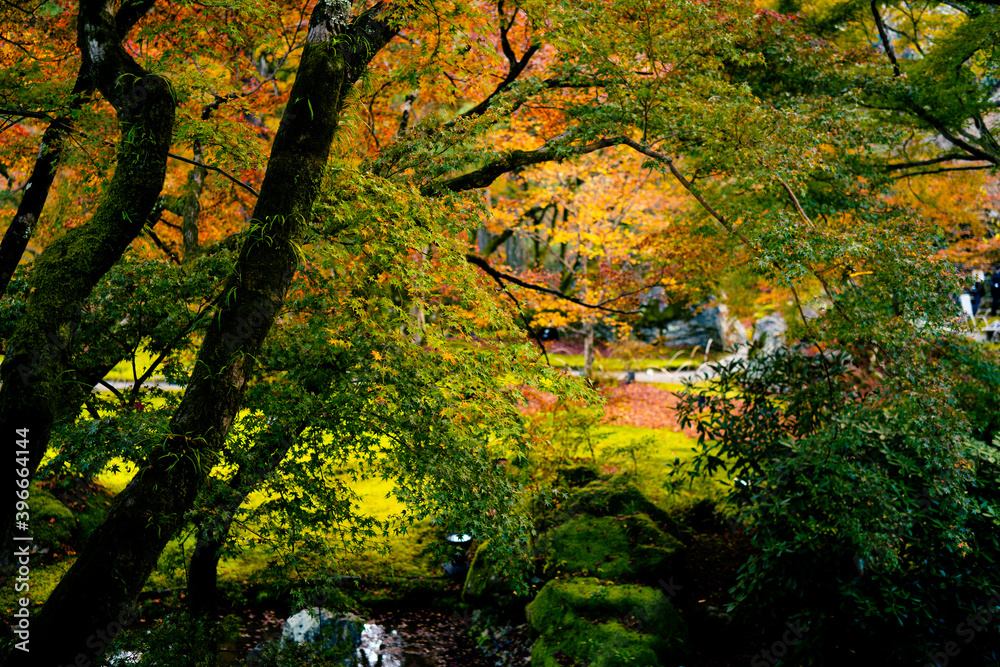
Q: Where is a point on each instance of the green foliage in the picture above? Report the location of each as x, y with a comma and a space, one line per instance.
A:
179, 639
872, 507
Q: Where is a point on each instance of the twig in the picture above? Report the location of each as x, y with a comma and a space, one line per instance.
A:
216, 169
498, 275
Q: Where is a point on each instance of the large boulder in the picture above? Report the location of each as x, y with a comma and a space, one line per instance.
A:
770, 331
482, 579
708, 324
318, 632
614, 497
582, 621
610, 547
731, 330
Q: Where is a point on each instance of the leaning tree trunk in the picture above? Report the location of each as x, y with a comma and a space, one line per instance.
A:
64, 275
93, 597
36, 190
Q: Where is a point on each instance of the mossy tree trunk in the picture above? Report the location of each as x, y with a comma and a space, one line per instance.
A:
67, 271
36, 191
191, 205
111, 570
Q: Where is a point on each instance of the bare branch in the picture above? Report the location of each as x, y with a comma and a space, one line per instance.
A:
795, 201
216, 169
656, 155
946, 169
886, 44
514, 159
937, 160
499, 275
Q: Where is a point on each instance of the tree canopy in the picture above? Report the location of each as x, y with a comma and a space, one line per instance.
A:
297, 210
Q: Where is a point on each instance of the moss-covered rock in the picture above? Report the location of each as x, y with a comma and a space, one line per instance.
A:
482, 579
575, 476
52, 523
610, 547
614, 497
582, 621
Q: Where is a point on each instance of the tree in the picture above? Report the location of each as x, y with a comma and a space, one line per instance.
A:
606, 231
935, 79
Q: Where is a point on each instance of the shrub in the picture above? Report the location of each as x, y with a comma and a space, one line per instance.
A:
873, 508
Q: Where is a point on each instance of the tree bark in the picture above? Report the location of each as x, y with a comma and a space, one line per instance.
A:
588, 347
36, 191
203, 571
108, 575
66, 272
190, 206
203, 597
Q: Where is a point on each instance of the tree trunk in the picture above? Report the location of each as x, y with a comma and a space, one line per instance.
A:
190, 203
212, 534
588, 347
67, 271
36, 191
108, 575
203, 571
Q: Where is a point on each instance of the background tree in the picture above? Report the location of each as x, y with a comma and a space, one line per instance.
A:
608, 232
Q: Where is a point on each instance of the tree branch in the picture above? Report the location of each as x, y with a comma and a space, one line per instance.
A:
21, 113
937, 160
946, 169
485, 175
886, 44
171, 255
216, 169
656, 155
499, 275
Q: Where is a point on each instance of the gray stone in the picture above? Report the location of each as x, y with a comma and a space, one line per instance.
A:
380, 648
772, 330
308, 625
732, 333
709, 326
124, 658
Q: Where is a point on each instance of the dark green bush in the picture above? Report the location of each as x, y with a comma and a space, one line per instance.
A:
873, 507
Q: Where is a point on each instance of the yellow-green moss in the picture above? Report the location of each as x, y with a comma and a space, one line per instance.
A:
52, 523
482, 579
598, 624
610, 547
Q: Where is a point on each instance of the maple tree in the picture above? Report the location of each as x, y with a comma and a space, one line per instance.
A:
319, 267
608, 232
935, 79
